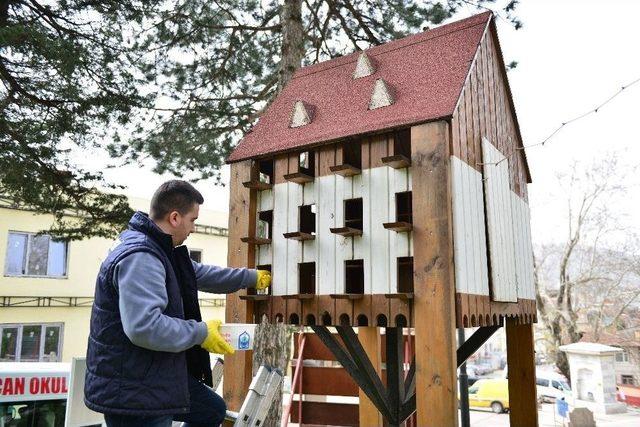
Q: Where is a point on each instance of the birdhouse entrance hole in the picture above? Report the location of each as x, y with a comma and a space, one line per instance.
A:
353, 213
265, 225
405, 275
402, 143
354, 276
352, 154
308, 219
404, 211
265, 171
306, 163
307, 277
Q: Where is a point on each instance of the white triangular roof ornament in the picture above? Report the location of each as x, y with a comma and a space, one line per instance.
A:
364, 67
381, 96
299, 115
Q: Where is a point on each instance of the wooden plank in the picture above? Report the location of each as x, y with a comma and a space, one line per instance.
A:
378, 237
328, 382
314, 348
294, 248
523, 410
325, 240
294, 308
500, 225
265, 200
469, 229
324, 413
242, 220
279, 245
326, 307
378, 149
523, 248
370, 339
434, 287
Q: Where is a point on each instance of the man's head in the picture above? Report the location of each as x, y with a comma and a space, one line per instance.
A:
174, 208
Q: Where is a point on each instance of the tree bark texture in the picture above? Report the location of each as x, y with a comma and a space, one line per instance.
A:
272, 347
292, 40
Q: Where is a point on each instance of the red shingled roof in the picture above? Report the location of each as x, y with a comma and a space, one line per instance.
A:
426, 73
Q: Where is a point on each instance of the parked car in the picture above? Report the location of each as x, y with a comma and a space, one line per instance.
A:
479, 369
551, 386
490, 393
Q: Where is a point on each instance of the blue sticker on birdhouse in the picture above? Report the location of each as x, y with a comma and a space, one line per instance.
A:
243, 341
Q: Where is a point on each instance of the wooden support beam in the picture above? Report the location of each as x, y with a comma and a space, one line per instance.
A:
434, 287
523, 405
369, 337
242, 222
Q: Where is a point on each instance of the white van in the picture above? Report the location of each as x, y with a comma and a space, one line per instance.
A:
551, 386
33, 393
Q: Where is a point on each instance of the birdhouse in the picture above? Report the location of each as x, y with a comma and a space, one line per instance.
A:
339, 192
389, 188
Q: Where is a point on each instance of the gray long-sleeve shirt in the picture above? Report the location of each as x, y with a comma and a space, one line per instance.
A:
140, 279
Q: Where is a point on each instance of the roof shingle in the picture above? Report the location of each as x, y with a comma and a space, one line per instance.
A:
425, 72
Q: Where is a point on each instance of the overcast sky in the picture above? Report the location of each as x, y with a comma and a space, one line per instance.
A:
571, 56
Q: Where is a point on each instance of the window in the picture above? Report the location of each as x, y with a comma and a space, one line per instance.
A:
31, 343
542, 382
622, 356
627, 379
196, 255
48, 413
35, 255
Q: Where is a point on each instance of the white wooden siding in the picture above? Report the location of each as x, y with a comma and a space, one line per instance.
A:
469, 245
377, 247
523, 248
500, 224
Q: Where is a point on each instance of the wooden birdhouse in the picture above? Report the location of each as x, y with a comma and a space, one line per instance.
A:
388, 188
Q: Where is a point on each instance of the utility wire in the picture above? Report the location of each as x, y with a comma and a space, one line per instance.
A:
559, 128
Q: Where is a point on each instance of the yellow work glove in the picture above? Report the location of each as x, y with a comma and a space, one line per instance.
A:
264, 280
214, 343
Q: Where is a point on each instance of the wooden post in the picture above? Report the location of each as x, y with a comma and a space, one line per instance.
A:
434, 286
242, 222
523, 405
369, 337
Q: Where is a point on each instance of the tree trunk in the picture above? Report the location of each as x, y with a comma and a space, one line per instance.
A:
292, 40
271, 347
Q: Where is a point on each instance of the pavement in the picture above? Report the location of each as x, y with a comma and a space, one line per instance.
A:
547, 417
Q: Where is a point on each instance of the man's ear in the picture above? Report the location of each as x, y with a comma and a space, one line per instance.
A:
173, 218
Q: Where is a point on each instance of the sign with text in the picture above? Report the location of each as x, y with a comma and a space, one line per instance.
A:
27, 386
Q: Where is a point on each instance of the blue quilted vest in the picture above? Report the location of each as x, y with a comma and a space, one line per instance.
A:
121, 377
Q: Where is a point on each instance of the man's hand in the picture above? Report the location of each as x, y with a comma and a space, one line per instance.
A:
264, 280
214, 343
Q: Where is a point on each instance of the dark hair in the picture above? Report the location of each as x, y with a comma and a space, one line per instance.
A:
174, 195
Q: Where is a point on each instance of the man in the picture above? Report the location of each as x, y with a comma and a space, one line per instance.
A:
147, 360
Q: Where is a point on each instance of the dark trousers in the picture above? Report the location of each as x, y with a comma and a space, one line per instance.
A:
207, 410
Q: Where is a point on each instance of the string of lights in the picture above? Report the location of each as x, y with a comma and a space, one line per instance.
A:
574, 119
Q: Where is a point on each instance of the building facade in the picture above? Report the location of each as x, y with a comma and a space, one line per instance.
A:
47, 286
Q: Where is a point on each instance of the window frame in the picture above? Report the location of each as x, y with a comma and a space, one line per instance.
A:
200, 251
43, 329
624, 356
25, 263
